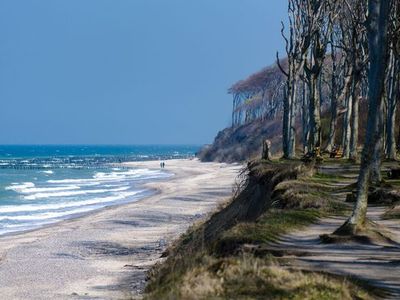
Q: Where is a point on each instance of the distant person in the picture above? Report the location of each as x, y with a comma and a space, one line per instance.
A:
163, 165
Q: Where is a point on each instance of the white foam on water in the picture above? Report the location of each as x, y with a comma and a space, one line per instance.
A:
101, 177
10, 228
58, 199
48, 172
36, 220
32, 189
70, 193
44, 216
29, 208
18, 187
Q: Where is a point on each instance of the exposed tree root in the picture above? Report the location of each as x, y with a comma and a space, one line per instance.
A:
384, 194
370, 233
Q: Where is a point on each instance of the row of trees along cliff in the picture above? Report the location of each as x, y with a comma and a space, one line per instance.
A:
342, 59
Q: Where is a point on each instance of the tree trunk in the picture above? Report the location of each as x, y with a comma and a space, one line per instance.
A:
334, 100
292, 123
332, 126
376, 175
266, 152
398, 96
377, 39
391, 114
314, 114
305, 119
234, 110
286, 121
354, 120
346, 135
333, 121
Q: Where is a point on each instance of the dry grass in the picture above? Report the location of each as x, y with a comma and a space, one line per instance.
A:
247, 277
193, 271
222, 268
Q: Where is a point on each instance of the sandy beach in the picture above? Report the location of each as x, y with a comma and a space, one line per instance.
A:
105, 255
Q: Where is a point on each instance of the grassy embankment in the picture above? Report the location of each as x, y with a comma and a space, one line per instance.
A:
229, 256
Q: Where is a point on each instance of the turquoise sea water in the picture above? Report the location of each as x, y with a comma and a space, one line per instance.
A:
41, 185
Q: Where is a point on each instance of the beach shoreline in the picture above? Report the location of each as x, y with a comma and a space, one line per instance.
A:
104, 254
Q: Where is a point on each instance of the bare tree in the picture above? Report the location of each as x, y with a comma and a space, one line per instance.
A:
336, 72
353, 45
378, 19
393, 89
297, 44
320, 16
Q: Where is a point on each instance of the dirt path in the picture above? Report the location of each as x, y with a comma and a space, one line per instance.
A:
379, 264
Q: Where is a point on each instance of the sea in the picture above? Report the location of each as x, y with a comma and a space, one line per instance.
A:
44, 184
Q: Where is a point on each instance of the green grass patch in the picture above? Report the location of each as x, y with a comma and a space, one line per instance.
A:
270, 226
327, 177
311, 194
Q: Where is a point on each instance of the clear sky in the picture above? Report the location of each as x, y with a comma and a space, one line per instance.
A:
128, 71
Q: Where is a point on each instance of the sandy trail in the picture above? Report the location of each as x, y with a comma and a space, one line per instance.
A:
105, 255
379, 264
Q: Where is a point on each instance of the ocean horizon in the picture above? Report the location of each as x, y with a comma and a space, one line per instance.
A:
44, 184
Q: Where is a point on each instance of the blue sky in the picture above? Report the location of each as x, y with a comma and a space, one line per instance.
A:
128, 71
